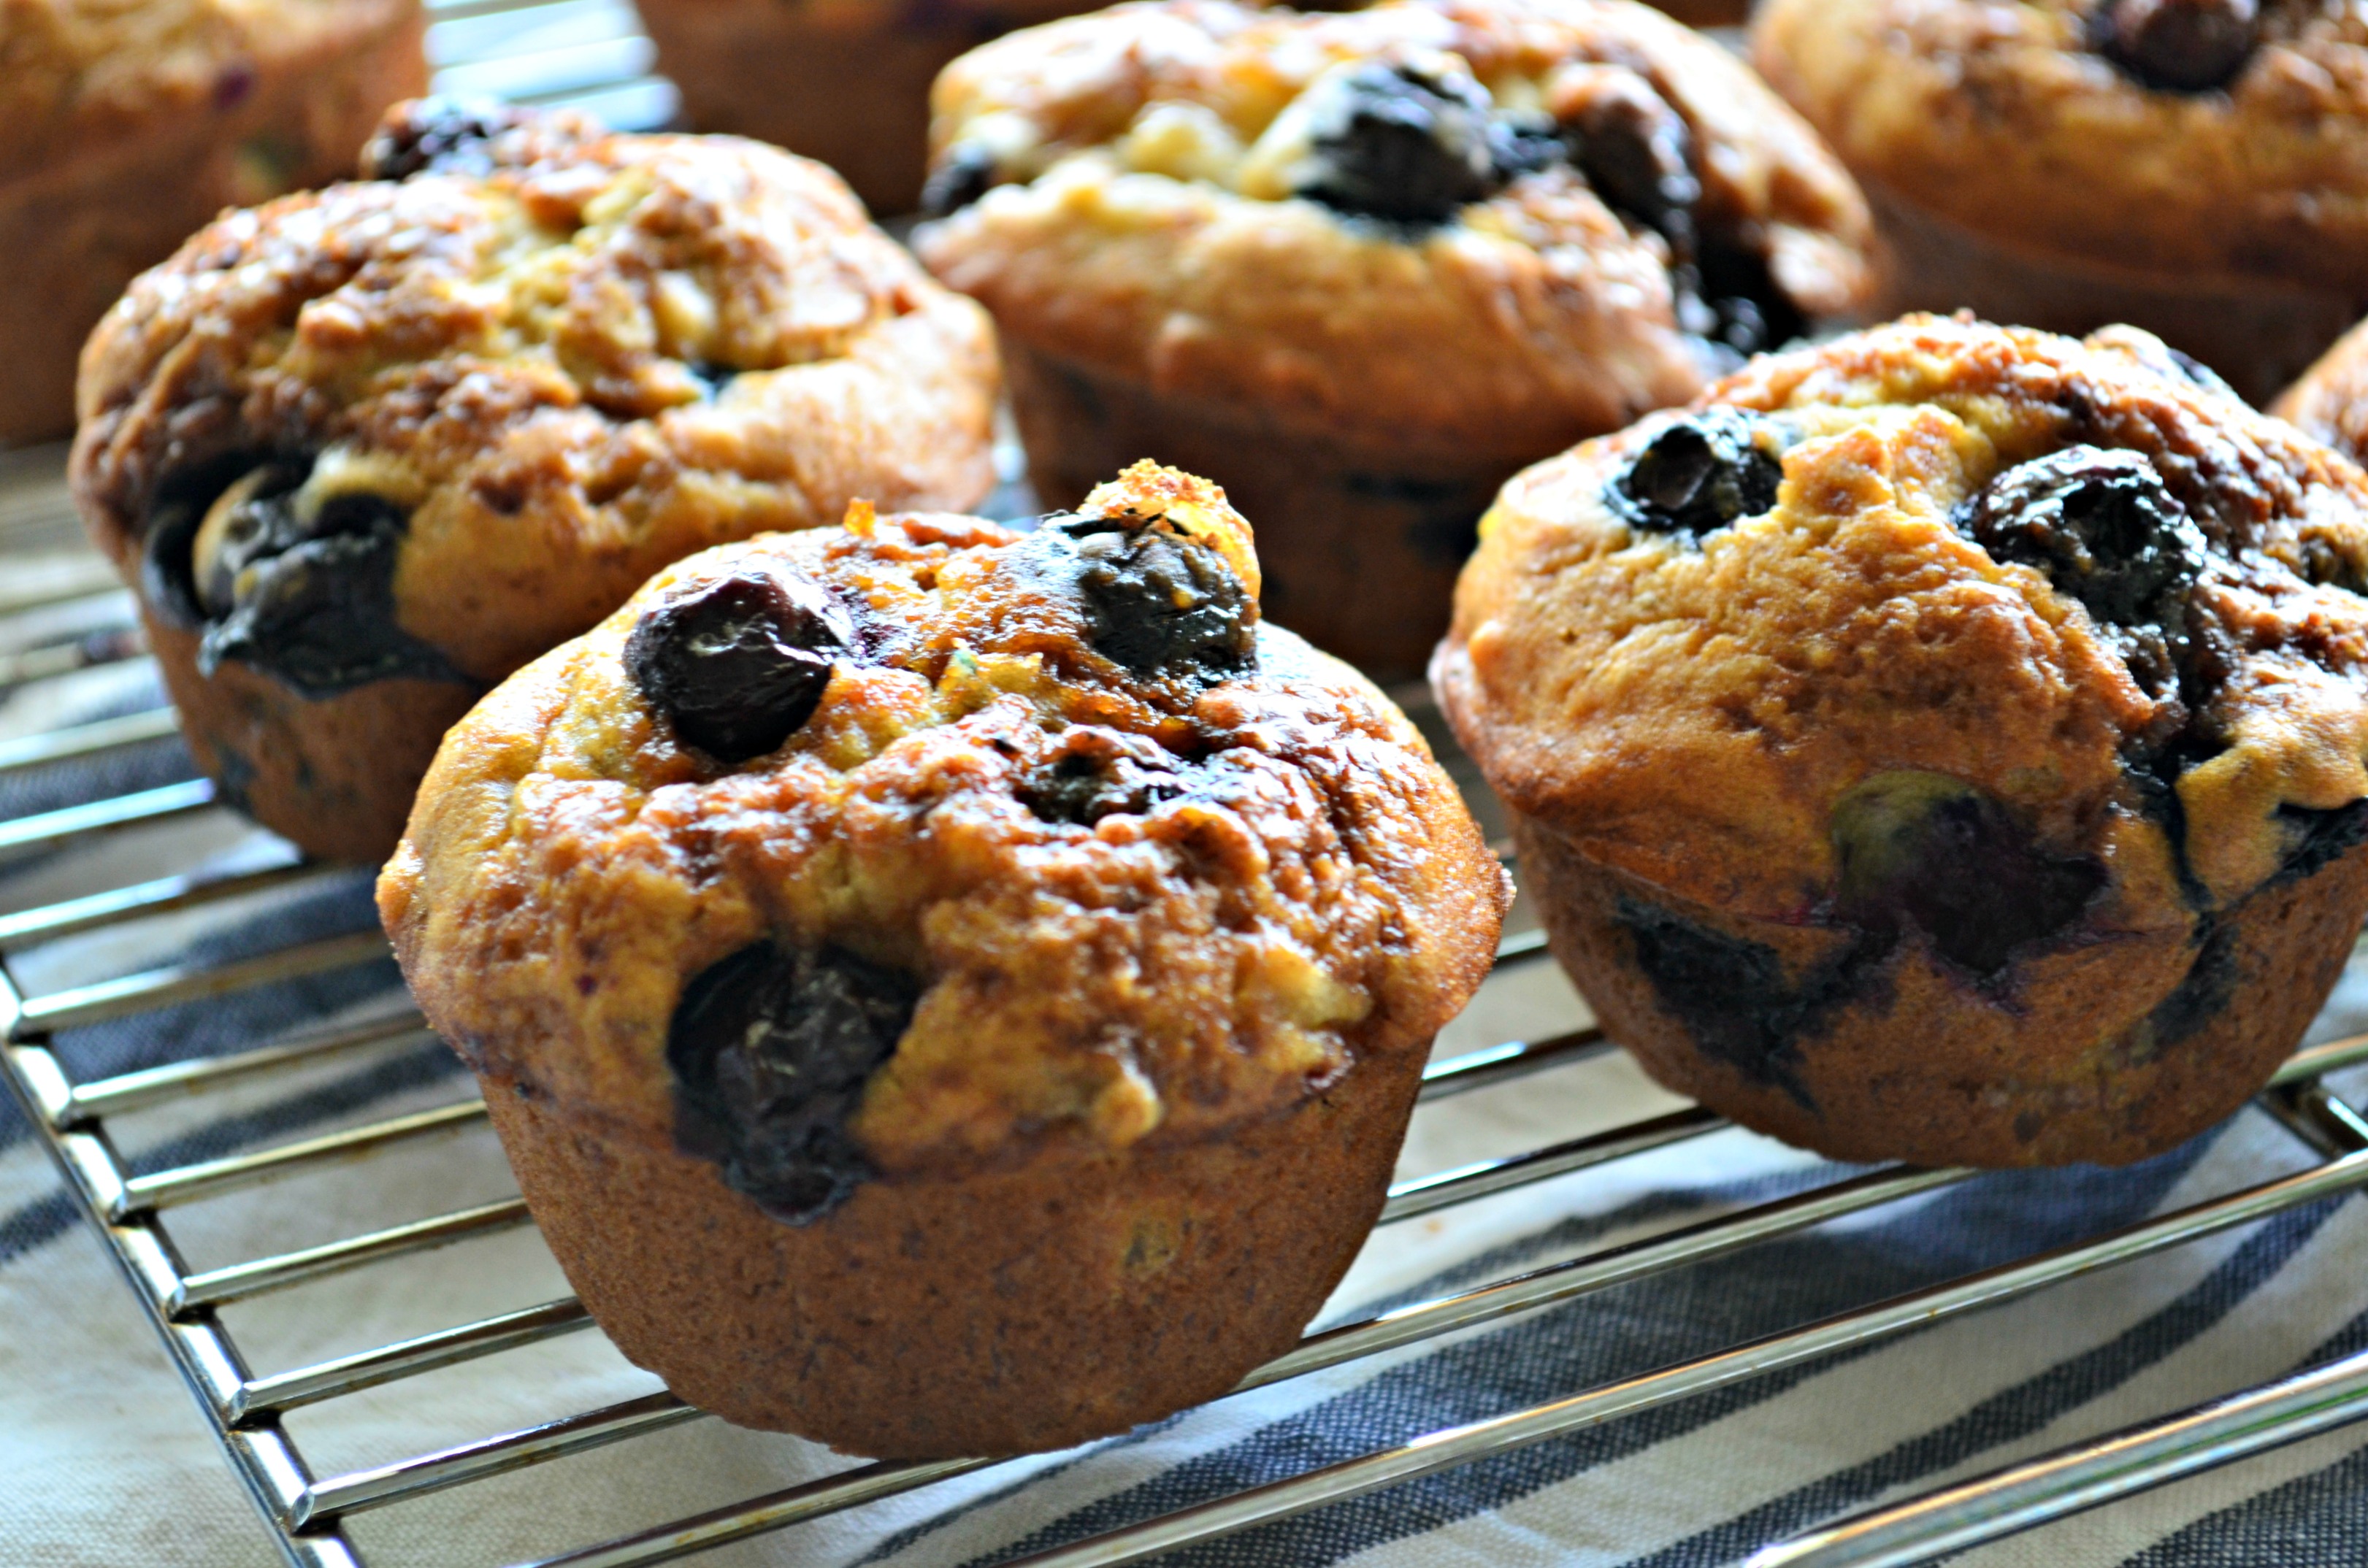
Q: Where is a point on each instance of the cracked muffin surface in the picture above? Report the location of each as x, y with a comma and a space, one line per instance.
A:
1477, 226
419, 427
2025, 671
1113, 862
2232, 150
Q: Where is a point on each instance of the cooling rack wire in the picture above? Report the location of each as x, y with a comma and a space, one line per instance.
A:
61, 615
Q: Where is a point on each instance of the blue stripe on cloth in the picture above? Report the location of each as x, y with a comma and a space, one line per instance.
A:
53, 786
217, 1024
1599, 1339
2015, 1412
45, 1218
2313, 1521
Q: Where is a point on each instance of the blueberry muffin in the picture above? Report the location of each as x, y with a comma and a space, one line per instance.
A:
366, 451
2195, 167
1943, 744
123, 127
843, 81
1360, 268
945, 990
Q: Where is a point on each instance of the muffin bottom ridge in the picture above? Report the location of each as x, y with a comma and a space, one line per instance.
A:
1098, 1291
2106, 1053
332, 775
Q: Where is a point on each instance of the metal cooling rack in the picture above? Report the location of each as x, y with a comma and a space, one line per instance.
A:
590, 54
307, 1512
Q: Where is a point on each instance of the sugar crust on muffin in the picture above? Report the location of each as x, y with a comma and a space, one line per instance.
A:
1130, 170
1264, 878
1689, 710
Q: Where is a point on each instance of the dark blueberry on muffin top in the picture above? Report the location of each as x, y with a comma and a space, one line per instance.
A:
441, 135
770, 1049
739, 665
2180, 46
1393, 142
2104, 528
1158, 604
1700, 474
1097, 773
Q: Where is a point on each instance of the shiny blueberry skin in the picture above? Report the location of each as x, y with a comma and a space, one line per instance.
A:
1698, 475
738, 667
770, 1049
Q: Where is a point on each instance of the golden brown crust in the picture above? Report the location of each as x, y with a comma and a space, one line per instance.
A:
1125, 1285
1143, 244
1590, 667
1315, 896
124, 128
846, 84
2000, 117
1731, 752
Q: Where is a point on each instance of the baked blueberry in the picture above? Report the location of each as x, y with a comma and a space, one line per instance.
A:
736, 667
1638, 154
1098, 773
1700, 474
2108, 532
1157, 603
1392, 141
289, 578
1926, 852
963, 176
440, 134
770, 1049
2180, 46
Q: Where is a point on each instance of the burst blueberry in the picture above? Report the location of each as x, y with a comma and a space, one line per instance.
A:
2180, 46
1700, 474
770, 1049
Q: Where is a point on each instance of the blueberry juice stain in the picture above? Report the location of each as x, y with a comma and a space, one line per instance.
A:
297, 585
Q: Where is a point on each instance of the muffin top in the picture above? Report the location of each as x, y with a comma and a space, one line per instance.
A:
1028, 839
1483, 227
1939, 604
433, 422
2220, 137
78, 73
